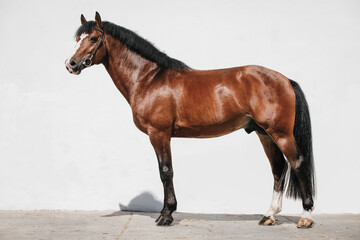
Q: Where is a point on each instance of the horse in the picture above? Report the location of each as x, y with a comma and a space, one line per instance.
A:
170, 99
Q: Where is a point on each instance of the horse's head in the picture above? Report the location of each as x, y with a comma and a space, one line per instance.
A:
90, 46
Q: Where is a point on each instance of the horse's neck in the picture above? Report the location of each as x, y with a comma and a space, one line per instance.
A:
126, 68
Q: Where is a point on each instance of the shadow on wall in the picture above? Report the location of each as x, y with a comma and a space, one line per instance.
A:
145, 202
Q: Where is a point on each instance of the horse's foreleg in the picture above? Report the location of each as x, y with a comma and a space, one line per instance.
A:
278, 167
161, 143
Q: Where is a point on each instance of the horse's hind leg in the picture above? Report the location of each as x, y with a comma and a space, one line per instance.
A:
279, 168
288, 146
161, 143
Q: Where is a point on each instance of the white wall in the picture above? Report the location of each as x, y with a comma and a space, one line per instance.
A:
68, 142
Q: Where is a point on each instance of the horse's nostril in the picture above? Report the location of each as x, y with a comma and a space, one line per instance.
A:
72, 63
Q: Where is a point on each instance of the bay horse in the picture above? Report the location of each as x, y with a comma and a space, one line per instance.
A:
169, 99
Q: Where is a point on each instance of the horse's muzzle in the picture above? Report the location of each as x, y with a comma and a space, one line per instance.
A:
73, 68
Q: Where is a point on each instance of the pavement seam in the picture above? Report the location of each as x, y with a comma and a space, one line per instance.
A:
287, 218
126, 225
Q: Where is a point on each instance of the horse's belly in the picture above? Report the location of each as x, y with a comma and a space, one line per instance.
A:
210, 130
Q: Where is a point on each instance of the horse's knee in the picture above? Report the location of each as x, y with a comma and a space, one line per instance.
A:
166, 173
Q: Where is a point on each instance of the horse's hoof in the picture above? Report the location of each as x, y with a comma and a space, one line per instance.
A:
305, 223
266, 221
164, 220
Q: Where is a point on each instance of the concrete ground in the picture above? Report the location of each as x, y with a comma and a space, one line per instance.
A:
137, 225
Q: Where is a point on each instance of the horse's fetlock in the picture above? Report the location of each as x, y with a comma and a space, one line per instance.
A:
172, 200
308, 204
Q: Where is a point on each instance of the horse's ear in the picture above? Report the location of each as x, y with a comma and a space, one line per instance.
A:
98, 20
83, 19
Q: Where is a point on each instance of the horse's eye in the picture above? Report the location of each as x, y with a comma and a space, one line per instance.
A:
93, 39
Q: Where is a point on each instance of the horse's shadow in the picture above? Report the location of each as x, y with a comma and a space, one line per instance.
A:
146, 205
144, 202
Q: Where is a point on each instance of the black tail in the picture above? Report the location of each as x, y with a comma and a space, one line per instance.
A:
303, 138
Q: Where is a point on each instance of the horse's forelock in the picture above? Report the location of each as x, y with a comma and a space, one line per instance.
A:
85, 28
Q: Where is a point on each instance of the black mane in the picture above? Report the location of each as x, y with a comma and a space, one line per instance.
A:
136, 44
